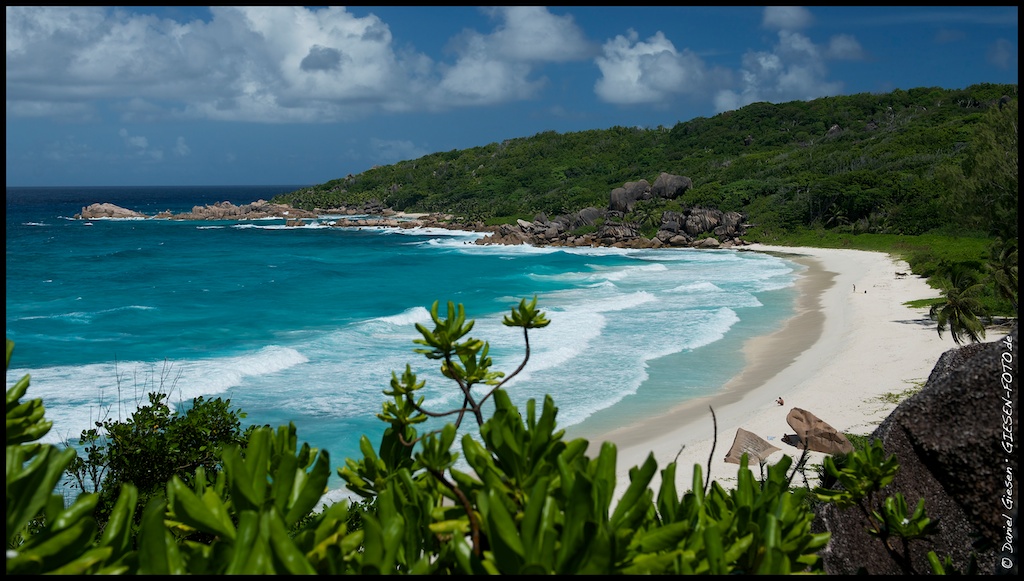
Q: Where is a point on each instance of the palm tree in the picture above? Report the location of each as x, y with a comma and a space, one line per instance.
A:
960, 309
1002, 269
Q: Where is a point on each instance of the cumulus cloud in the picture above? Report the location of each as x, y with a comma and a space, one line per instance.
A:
181, 149
133, 141
844, 47
786, 17
501, 66
1002, 54
268, 64
532, 34
138, 147
794, 69
650, 71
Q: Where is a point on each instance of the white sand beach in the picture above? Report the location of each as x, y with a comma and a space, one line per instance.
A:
851, 342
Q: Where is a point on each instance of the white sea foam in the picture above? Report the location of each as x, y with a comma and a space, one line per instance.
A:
502, 249
118, 388
407, 317
596, 349
701, 286
86, 317
428, 231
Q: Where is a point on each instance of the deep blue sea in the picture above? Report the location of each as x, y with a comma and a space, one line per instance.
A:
307, 324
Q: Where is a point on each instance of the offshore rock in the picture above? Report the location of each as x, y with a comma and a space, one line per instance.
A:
94, 211
219, 211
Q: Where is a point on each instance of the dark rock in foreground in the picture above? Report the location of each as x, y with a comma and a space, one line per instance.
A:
955, 441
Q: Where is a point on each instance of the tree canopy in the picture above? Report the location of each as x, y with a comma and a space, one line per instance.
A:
903, 162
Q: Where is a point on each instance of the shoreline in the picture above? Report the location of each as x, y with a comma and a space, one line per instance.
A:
841, 352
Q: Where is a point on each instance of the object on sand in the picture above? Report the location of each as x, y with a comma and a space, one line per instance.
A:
750, 443
815, 434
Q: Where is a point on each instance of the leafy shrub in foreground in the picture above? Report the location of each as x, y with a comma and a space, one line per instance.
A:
535, 503
525, 501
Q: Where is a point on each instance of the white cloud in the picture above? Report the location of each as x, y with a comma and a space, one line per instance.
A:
138, 147
268, 64
499, 67
69, 148
786, 17
1002, 54
53, 110
477, 79
532, 34
181, 148
133, 141
795, 67
650, 71
844, 47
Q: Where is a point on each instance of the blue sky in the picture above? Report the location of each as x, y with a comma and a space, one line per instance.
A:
104, 96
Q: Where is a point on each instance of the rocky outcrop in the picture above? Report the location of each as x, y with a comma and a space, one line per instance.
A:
956, 444
624, 198
257, 210
696, 227
220, 211
670, 186
667, 186
95, 211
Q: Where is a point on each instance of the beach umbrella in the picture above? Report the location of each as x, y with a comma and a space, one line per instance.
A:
815, 434
749, 443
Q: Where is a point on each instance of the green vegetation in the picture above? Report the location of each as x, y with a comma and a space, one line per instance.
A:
860, 477
894, 398
525, 500
927, 174
117, 452
893, 163
960, 307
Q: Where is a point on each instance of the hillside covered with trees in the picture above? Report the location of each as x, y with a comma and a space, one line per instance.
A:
879, 163
930, 174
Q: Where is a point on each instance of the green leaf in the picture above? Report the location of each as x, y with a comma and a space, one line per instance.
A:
158, 551
206, 514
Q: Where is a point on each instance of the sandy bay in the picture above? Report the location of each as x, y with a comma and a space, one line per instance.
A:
851, 341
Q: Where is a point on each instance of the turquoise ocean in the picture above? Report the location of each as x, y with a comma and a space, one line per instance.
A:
307, 324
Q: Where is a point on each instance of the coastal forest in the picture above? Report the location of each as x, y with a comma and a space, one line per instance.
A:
887, 163
927, 174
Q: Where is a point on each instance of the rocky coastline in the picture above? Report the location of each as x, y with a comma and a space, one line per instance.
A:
696, 227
